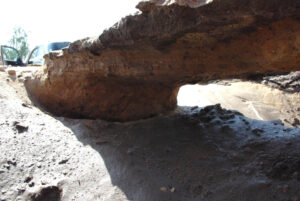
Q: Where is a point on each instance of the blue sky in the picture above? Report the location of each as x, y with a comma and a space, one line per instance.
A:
61, 20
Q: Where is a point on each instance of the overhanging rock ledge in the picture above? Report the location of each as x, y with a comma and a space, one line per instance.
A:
134, 69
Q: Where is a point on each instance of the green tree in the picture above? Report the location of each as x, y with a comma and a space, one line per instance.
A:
19, 41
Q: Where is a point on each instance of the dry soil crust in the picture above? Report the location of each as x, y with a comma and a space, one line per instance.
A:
192, 154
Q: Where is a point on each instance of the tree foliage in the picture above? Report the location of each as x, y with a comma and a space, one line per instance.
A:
19, 41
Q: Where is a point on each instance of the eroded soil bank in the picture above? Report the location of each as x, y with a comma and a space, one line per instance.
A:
139, 63
194, 153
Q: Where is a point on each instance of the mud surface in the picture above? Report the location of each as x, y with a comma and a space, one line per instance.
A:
194, 153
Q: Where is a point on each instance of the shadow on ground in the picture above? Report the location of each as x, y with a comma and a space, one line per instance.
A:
197, 154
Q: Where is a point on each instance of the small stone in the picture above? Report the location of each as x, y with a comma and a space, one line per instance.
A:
172, 190
2, 68
163, 189
63, 161
31, 184
28, 179
21, 191
14, 163
11, 72
246, 122
277, 122
6, 166
25, 105
296, 122
257, 131
20, 128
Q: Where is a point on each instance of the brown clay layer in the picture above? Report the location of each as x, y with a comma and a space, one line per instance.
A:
134, 69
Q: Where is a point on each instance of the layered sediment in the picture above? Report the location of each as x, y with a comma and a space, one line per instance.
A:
134, 69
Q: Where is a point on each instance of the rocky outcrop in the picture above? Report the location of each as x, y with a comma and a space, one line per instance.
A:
133, 70
289, 83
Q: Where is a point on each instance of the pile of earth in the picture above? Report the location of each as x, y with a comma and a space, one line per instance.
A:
194, 153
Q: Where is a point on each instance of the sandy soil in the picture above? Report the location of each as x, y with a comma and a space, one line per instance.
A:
191, 154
